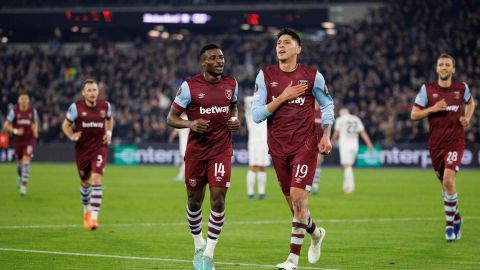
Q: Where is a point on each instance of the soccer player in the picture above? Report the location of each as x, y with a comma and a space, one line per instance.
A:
210, 102
285, 94
22, 122
347, 128
258, 159
182, 147
93, 122
442, 102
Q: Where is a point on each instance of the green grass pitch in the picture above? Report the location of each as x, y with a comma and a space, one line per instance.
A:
394, 220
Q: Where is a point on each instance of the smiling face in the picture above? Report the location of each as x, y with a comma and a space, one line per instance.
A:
23, 101
287, 47
213, 62
90, 92
445, 68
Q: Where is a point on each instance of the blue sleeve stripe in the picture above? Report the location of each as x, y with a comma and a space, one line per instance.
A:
324, 100
11, 115
422, 99
183, 99
259, 107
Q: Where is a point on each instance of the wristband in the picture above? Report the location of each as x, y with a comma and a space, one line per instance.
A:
109, 133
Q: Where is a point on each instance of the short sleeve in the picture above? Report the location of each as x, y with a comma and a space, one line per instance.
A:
35, 115
109, 110
72, 113
235, 95
422, 100
467, 95
10, 115
183, 99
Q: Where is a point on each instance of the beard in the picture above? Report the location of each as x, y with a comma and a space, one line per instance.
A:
445, 78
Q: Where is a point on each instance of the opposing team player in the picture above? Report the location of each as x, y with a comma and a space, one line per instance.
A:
258, 158
442, 102
347, 129
285, 94
182, 147
210, 102
22, 122
93, 123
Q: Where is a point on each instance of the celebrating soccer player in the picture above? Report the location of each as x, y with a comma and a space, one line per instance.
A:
93, 122
210, 102
442, 102
285, 95
22, 122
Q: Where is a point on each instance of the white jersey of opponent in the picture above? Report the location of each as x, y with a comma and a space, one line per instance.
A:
257, 137
183, 136
349, 127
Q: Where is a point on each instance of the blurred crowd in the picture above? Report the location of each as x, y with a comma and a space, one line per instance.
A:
374, 67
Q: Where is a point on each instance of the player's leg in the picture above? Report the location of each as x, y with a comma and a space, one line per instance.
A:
97, 166
262, 181
181, 172
19, 172
27, 156
219, 171
252, 170
316, 177
85, 172
347, 158
450, 196
195, 181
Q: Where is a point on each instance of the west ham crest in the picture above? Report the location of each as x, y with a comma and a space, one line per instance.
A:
193, 182
102, 113
228, 93
179, 91
456, 94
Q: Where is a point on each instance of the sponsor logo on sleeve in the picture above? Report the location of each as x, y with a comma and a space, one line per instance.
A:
256, 88
179, 91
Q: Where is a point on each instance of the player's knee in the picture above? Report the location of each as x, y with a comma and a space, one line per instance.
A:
96, 179
194, 205
217, 204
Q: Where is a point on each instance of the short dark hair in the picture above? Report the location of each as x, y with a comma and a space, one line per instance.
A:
23, 93
87, 81
290, 32
445, 55
207, 48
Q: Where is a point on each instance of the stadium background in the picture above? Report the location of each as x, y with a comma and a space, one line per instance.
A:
374, 55
374, 58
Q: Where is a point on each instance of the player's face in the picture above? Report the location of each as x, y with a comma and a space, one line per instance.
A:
287, 47
90, 92
445, 68
23, 101
213, 62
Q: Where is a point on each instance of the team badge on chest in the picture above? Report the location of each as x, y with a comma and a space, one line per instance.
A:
228, 93
102, 113
456, 94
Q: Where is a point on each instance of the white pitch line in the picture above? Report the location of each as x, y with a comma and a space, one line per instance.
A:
252, 222
144, 258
